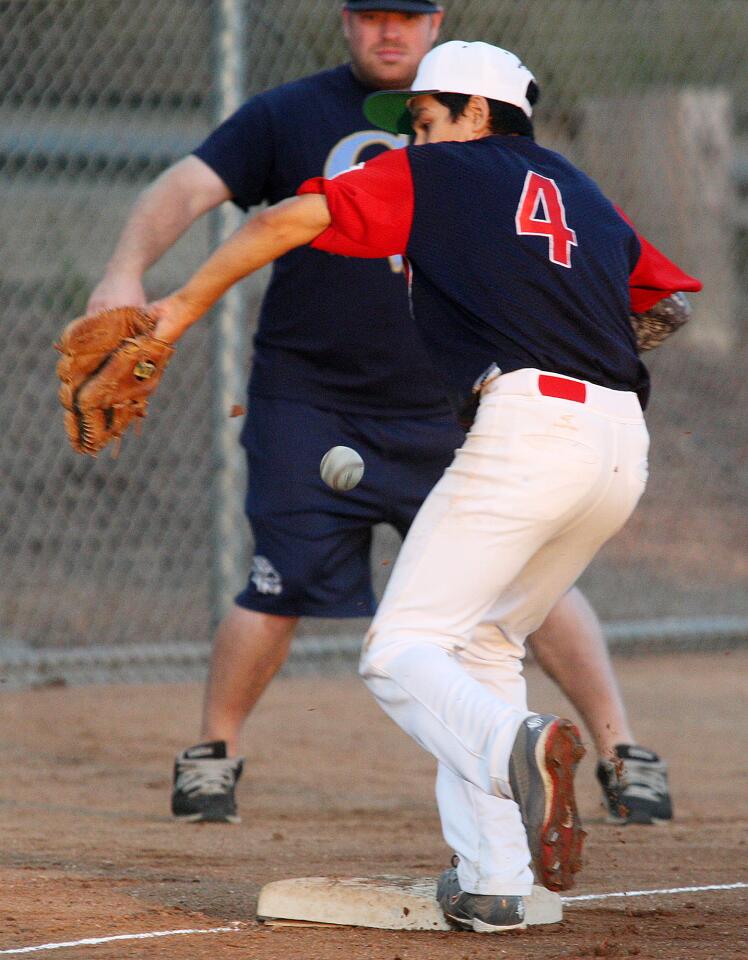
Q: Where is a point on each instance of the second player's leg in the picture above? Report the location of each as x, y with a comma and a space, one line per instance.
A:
571, 649
248, 650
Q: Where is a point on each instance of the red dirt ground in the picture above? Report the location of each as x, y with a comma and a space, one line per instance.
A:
333, 788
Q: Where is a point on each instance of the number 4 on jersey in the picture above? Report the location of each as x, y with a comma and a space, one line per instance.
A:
541, 190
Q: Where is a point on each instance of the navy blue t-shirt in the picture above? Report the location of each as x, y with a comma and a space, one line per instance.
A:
332, 332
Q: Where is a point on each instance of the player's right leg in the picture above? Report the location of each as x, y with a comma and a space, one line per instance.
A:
249, 648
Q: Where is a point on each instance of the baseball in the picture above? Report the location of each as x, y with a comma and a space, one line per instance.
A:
341, 468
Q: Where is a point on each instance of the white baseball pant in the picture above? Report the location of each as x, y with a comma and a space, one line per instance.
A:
539, 485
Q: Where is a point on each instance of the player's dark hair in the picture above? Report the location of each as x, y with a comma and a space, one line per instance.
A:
505, 117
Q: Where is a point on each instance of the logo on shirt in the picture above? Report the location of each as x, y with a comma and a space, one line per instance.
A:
265, 577
346, 153
356, 166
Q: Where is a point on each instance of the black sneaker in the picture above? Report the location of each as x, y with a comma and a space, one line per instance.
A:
204, 783
635, 786
541, 775
483, 913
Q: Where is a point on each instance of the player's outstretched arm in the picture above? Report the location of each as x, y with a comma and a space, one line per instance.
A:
273, 232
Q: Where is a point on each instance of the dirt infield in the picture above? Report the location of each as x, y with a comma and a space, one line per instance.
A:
332, 787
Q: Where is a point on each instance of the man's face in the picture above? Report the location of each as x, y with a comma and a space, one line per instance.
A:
432, 122
386, 46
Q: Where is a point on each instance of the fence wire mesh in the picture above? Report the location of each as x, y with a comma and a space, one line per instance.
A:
99, 96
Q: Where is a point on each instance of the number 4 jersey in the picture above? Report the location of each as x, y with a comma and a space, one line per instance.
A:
515, 258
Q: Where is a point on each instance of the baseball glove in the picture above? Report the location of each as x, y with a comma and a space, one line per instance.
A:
110, 366
660, 321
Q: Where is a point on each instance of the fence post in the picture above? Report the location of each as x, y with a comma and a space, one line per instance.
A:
229, 334
667, 156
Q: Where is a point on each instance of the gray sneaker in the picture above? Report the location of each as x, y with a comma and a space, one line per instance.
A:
204, 783
635, 786
482, 913
541, 775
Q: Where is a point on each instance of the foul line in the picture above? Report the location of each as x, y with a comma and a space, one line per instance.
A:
93, 941
652, 893
236, 927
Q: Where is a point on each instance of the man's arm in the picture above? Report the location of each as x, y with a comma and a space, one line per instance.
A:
162, 213
267, 236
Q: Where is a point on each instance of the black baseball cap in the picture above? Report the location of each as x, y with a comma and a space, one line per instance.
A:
401, 6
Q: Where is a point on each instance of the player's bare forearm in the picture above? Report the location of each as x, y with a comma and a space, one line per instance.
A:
273, 232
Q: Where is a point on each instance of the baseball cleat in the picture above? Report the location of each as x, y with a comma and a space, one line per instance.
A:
482, 913
635, 786
541, 774
204, 783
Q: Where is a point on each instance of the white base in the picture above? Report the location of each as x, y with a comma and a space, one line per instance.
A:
386, 902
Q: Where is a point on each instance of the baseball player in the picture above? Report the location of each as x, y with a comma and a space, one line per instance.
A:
522, 279
336, 363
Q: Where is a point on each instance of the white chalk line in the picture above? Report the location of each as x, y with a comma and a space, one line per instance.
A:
652, 893
93, 941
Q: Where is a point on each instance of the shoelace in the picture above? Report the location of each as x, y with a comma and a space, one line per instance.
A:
644, 779
205, 777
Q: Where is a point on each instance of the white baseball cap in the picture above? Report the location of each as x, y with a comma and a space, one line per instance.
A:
477, 69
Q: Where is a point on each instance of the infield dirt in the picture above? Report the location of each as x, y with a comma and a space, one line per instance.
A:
332, 787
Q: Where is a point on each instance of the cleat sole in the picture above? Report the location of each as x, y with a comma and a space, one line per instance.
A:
562, 836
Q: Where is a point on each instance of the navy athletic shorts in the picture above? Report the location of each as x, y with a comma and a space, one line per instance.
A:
312, 544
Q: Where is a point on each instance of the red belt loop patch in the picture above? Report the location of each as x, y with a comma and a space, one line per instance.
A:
562, 388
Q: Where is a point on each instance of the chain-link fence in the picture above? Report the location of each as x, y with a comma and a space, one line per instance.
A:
98, 96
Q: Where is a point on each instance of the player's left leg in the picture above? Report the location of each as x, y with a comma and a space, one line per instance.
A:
570, 647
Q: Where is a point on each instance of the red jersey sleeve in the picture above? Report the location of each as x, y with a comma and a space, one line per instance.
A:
655, 277
371, 207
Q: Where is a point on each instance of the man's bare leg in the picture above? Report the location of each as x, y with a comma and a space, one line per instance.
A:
249, 648
571, 649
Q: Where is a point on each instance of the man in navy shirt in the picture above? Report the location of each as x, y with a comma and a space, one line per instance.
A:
335, 363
